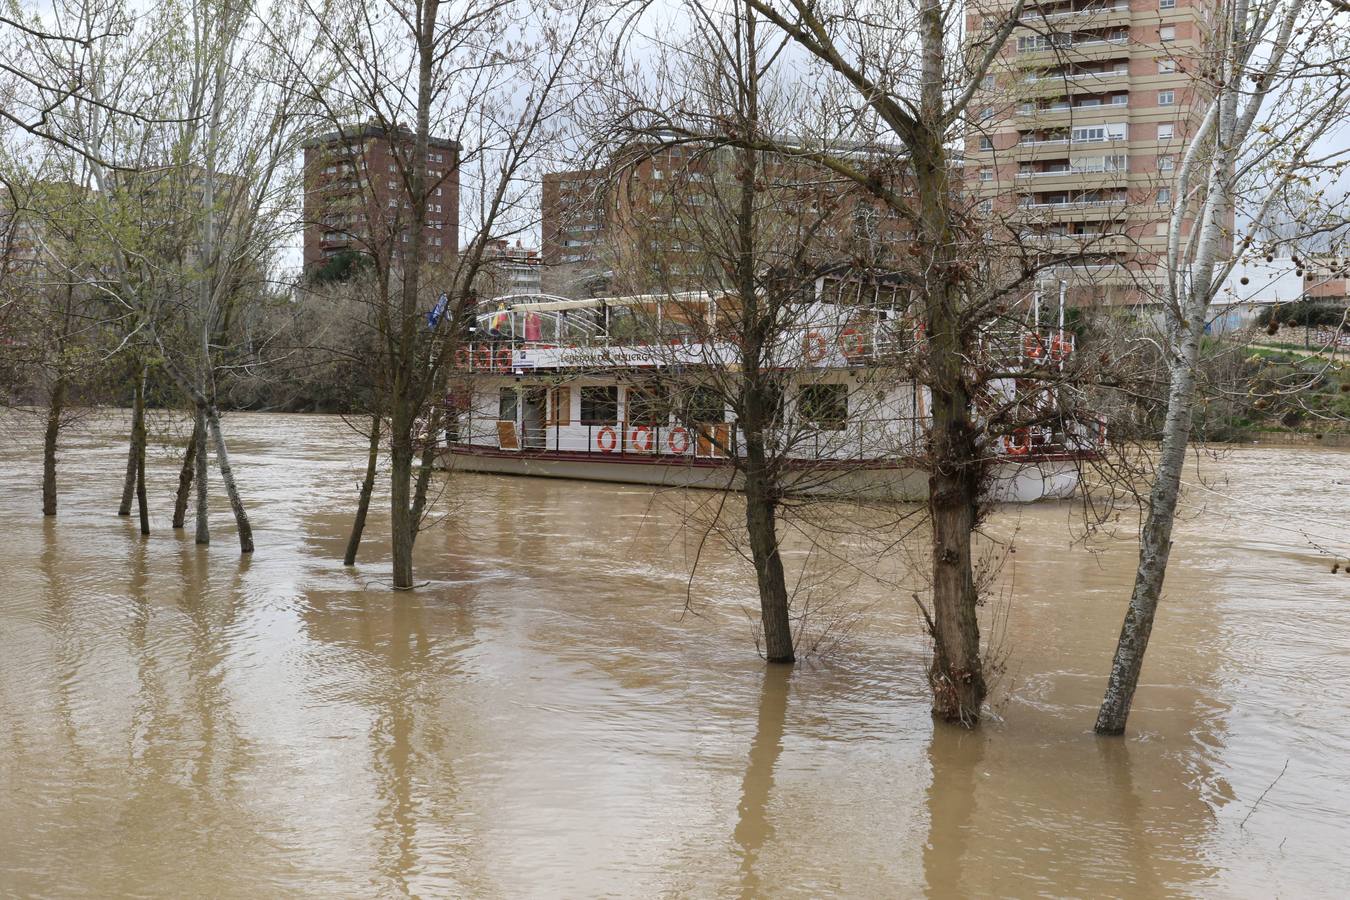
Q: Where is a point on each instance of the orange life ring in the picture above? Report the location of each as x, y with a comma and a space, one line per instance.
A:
919, 333
504, 358
683, 435
483, 358
814, 346
610, 445
640, 439
1019, 442
1060, 347
851, 343
1032, 346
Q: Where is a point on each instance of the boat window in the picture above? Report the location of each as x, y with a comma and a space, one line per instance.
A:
600, 405
648, 406
824, 405
507, 402
704, 406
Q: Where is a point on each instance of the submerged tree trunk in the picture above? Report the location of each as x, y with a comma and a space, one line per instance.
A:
956, 674
1155, 545
407, 388
133, 454
199, 430
760, 523
400, 508
141, 505
425, 468
185, 480
138, 444
760, 398
227, 478
367, 488
49, 440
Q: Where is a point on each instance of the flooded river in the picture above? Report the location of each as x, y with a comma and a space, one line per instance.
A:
544, 718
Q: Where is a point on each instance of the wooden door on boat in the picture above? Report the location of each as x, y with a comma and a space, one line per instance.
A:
532, 411
714, 441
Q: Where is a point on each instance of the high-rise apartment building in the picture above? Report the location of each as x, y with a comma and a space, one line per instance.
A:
509, 269
1078, 131
357, 200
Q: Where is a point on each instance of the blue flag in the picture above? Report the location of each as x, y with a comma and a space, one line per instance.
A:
434, 317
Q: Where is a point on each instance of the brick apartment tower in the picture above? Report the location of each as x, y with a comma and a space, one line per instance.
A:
599, 226
356, 199
1080, 127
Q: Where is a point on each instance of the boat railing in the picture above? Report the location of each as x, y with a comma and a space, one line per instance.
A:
849, 344
859, 441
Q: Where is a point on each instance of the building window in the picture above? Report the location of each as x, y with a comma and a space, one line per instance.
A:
600, 405
507, 403
986, 143
986, 113
1167, 98
986, 206
986, 174
1166, 163
1167, 33
1164, 196
393, 203
1161, 230
824, 405
1167, 66
989, 82
1167, 4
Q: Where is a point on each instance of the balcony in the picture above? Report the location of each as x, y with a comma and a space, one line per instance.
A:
1077, 77
1066, 205
1076, 171
1091, 11
1042, 53
1085, 111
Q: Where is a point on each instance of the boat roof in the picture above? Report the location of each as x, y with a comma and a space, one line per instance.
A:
549, 303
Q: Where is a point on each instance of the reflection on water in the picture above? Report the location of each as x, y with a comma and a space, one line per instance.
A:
753, 827
543, 718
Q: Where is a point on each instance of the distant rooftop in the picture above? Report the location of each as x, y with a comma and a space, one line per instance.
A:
396, 134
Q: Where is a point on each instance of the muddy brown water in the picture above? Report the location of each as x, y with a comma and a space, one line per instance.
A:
543, 718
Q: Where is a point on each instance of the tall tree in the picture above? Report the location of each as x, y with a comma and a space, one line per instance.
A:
494, 77
1276, 75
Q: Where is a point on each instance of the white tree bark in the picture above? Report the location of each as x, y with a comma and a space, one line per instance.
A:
1231, 135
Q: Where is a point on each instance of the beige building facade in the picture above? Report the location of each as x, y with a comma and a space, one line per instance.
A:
1079, 130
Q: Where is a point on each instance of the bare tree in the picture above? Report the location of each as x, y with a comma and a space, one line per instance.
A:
1279, 83
901, 75
192, 189
736, 249
493, 79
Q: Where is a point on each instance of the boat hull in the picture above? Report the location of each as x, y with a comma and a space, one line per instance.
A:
1024, 480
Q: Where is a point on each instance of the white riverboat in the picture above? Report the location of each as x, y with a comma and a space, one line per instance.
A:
614, 389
